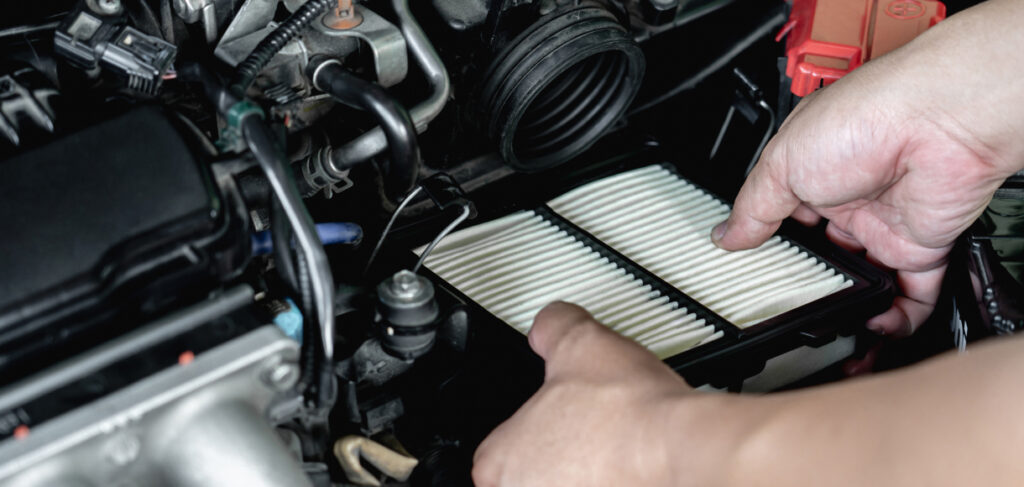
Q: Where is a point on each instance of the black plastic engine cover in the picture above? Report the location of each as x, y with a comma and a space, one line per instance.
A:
103, 229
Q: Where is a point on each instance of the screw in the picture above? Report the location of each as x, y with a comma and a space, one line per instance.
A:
343, 16
109, 6
124, 449
281, 376
405, 284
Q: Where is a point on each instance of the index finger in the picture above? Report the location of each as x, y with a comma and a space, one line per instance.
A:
763, 202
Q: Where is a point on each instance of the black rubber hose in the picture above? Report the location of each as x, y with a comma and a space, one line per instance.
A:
310, 370
273, 43
315, 270
403, 169
281, 233
212, 87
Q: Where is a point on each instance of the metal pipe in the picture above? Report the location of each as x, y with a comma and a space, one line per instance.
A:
374, 142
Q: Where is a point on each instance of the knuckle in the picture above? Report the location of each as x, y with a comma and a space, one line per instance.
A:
581, 335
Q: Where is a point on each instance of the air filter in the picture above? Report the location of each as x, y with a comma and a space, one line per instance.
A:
663, 223
515, 265
634, 248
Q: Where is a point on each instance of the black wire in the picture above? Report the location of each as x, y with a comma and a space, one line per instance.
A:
167, 20
273, 43
774, 21
142, 15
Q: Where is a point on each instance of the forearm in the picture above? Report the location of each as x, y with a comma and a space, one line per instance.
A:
950, 421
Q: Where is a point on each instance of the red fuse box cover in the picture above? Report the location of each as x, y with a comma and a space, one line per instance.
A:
829, 38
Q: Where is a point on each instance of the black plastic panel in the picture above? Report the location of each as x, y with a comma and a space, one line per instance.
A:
107, 227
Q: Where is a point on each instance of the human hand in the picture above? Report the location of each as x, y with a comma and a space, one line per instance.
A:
602, 416
896, 160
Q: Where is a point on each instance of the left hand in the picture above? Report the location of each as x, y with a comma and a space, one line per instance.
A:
609, 413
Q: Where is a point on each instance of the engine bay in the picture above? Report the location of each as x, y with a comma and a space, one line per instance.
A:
299, 242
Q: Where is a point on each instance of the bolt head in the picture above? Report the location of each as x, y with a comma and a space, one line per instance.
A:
123, 449
281, 376
109, 7
405, 283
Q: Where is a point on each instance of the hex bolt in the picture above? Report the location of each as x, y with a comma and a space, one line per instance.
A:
281, 376
109, 7
405, 283
123, 449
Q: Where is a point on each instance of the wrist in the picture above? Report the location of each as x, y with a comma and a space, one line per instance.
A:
706, 437
962, 76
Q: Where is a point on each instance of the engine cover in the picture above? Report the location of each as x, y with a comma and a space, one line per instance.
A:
106, 227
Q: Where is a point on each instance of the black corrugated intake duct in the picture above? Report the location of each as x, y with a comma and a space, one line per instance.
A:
559, 85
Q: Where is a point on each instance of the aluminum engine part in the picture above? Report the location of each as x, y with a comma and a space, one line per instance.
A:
200, 423
332, 166
209, 12
25, 97
254, 21
390, 60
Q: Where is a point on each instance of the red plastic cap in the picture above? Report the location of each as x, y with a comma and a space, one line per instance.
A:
21, 432
830, 38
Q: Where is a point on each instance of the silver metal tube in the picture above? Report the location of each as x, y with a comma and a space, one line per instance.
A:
373, 142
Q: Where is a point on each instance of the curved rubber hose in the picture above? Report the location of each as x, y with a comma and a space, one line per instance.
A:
400, 176
260, 142
281, 234
273, 43
274, 166
373, 141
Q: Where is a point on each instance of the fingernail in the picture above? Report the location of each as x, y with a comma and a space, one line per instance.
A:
875, 327
719, 231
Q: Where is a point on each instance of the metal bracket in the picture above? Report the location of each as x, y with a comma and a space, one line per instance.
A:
390, 57
192, 11
252, 16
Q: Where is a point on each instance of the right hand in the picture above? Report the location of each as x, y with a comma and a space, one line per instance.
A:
895, 159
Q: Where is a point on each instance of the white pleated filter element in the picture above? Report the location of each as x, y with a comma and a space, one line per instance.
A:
514, 266
663, 223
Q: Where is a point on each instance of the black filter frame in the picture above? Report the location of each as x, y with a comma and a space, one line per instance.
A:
742, 352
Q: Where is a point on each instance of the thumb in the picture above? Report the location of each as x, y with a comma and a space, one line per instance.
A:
572, 342
763, 202
553, 325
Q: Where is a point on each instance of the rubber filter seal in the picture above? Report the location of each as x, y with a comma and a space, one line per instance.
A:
559, 85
